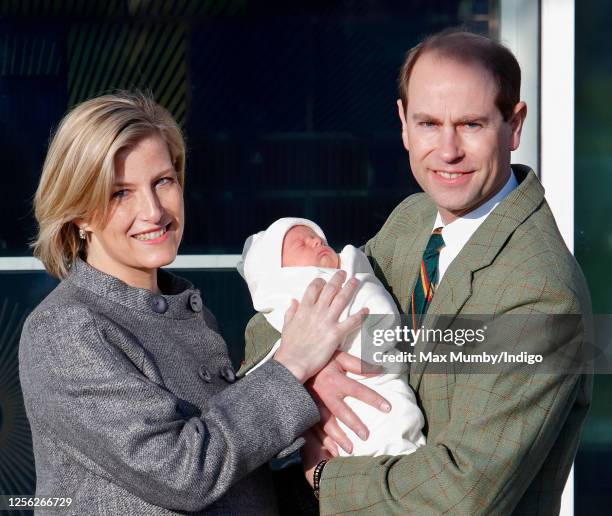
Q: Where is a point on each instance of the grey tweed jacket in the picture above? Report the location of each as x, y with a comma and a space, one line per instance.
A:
133, 407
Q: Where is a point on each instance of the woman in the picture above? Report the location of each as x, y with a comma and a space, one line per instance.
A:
128, 387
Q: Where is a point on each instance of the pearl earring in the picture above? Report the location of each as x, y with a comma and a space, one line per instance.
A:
82, 234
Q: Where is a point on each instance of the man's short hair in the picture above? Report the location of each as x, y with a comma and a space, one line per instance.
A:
469, 48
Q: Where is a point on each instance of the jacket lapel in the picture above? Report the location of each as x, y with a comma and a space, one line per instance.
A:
407, 257
479, 252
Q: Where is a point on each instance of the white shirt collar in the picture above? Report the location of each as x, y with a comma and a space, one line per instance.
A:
457, 233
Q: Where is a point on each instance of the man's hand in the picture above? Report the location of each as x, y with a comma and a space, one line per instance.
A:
328, 388
312, 452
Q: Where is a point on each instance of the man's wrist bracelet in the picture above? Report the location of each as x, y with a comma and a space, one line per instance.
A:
316, 477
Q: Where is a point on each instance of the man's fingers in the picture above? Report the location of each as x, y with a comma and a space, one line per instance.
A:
331, 429
344, 413
313, 291
355, 365
369, 396
328, 443
346, 387
349, 362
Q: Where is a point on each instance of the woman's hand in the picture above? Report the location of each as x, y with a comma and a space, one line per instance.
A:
311, 331
329, 387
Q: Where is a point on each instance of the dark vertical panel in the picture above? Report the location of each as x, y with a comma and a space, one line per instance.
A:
20, 293
593, 232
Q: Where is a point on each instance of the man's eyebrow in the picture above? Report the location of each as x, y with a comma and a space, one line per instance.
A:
469, 118
472, 118
424, 116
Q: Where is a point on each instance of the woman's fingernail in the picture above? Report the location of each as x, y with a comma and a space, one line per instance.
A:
363, 435
385, 407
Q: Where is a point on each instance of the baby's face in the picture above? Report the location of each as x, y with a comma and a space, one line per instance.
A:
303, 247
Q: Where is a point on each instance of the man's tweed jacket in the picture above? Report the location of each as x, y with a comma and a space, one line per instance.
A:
496, 443
132, 408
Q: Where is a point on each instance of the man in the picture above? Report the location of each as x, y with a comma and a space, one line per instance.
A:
497, 443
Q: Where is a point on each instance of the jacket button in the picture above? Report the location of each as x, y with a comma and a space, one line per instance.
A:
227, 373
159, 304
204, 374
195, 302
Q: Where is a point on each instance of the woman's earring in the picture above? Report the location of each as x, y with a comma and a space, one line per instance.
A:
82, 234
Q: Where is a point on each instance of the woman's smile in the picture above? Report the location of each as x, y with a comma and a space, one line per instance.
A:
153, 236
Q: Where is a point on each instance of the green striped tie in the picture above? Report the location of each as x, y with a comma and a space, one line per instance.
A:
427, 279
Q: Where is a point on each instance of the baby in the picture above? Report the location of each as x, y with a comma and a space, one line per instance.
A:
278, 264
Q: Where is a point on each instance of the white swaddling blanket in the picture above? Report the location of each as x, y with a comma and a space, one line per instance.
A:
273, 287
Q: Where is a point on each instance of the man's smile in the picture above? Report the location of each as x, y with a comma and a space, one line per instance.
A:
454, 177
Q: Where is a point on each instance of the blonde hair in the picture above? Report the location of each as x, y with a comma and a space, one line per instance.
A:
79, 169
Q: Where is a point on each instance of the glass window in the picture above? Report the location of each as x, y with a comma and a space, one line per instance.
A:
593, 232
20, 292
287, 110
